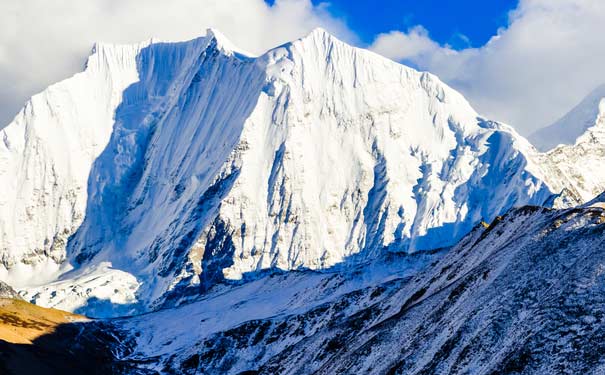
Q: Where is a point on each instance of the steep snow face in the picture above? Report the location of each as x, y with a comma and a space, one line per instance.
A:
46, 154
213, 164
571, 126
363, 154
580, 166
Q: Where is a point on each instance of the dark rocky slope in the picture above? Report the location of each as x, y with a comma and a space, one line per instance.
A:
525, 295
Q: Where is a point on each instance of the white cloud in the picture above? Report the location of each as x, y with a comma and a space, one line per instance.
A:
549, 56
42, 41
413, 45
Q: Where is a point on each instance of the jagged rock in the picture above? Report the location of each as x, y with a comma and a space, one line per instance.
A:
6, 291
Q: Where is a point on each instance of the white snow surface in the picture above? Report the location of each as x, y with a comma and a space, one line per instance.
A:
46, 155
170, 331
98, 290
178, 165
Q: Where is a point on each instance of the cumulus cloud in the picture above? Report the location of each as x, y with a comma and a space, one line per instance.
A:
415, 45
42, 41
548, 58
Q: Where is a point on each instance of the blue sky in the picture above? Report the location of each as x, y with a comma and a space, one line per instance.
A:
458, 23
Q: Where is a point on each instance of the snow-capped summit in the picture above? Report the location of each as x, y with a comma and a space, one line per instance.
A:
165, 168
224, 44
568, 128
581, 163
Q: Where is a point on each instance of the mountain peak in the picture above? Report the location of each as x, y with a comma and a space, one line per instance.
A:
588, 121
573, 124
221, 39
319, 31
317, 35
224, 44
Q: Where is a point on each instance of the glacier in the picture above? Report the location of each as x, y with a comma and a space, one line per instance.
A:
165, 168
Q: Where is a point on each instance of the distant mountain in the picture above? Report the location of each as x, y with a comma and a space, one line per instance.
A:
579, 166
568, 128
166, 168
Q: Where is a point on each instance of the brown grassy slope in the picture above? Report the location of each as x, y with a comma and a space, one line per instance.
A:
22, 322
41, 341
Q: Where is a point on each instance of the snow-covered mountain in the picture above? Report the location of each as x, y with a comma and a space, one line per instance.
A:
165, 168
572, 125
524, 295
576, 148
582, 163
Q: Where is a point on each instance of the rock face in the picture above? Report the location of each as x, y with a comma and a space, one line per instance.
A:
525, 295
6, 291
165, 168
